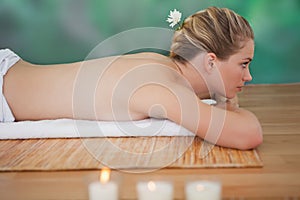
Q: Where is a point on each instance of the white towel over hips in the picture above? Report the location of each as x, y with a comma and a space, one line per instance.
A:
7, 60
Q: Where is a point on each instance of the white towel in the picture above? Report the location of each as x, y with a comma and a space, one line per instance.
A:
7, 60
68, 128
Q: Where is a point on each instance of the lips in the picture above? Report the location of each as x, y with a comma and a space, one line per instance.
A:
240, 88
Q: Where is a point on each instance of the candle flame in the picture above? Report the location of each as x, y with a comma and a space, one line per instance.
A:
151, 186
104, 175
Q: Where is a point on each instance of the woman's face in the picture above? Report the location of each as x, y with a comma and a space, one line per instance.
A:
235, 71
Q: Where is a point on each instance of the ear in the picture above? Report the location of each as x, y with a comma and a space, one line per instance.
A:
210, 62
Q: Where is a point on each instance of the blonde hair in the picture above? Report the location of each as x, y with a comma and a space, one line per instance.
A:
214, 30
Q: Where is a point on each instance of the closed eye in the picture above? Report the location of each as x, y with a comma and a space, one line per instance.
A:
245, 64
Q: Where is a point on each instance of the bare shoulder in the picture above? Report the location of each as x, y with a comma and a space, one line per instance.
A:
165, 97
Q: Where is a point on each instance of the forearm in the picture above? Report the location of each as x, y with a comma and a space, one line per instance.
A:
235, 129
241, 128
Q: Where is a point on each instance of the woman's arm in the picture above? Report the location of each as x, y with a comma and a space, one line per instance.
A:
235, 129
240, 129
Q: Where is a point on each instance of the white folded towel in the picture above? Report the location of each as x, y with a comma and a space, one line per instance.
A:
69, 128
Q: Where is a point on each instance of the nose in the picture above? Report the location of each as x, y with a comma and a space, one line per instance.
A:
247, 76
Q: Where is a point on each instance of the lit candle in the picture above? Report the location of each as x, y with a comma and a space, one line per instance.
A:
203, 190
103, 189
158, 190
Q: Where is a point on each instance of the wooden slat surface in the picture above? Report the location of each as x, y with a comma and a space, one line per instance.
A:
119, 153
277, 107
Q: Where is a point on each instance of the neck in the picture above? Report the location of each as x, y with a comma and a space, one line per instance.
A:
193, 76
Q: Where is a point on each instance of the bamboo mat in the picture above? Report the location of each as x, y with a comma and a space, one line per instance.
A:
120, 153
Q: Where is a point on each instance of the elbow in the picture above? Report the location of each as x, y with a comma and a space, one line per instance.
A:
250, 138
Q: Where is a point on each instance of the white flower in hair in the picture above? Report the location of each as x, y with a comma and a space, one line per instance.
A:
174, 17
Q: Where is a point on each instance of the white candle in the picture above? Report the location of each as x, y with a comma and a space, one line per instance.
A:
103, 189
203, 190
155, 190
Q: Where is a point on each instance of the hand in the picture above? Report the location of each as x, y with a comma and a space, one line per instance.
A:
225, 103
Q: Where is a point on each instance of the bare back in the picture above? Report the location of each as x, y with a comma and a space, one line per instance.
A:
99, 89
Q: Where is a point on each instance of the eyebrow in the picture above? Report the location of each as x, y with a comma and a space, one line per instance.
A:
249, 59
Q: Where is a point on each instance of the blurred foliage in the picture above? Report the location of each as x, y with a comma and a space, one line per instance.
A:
57, 31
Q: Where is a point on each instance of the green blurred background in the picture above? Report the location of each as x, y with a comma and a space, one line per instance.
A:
59, 31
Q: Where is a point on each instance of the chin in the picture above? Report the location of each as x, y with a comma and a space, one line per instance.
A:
231, 95
228, 94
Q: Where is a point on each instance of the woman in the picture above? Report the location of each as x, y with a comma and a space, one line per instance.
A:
210, 57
